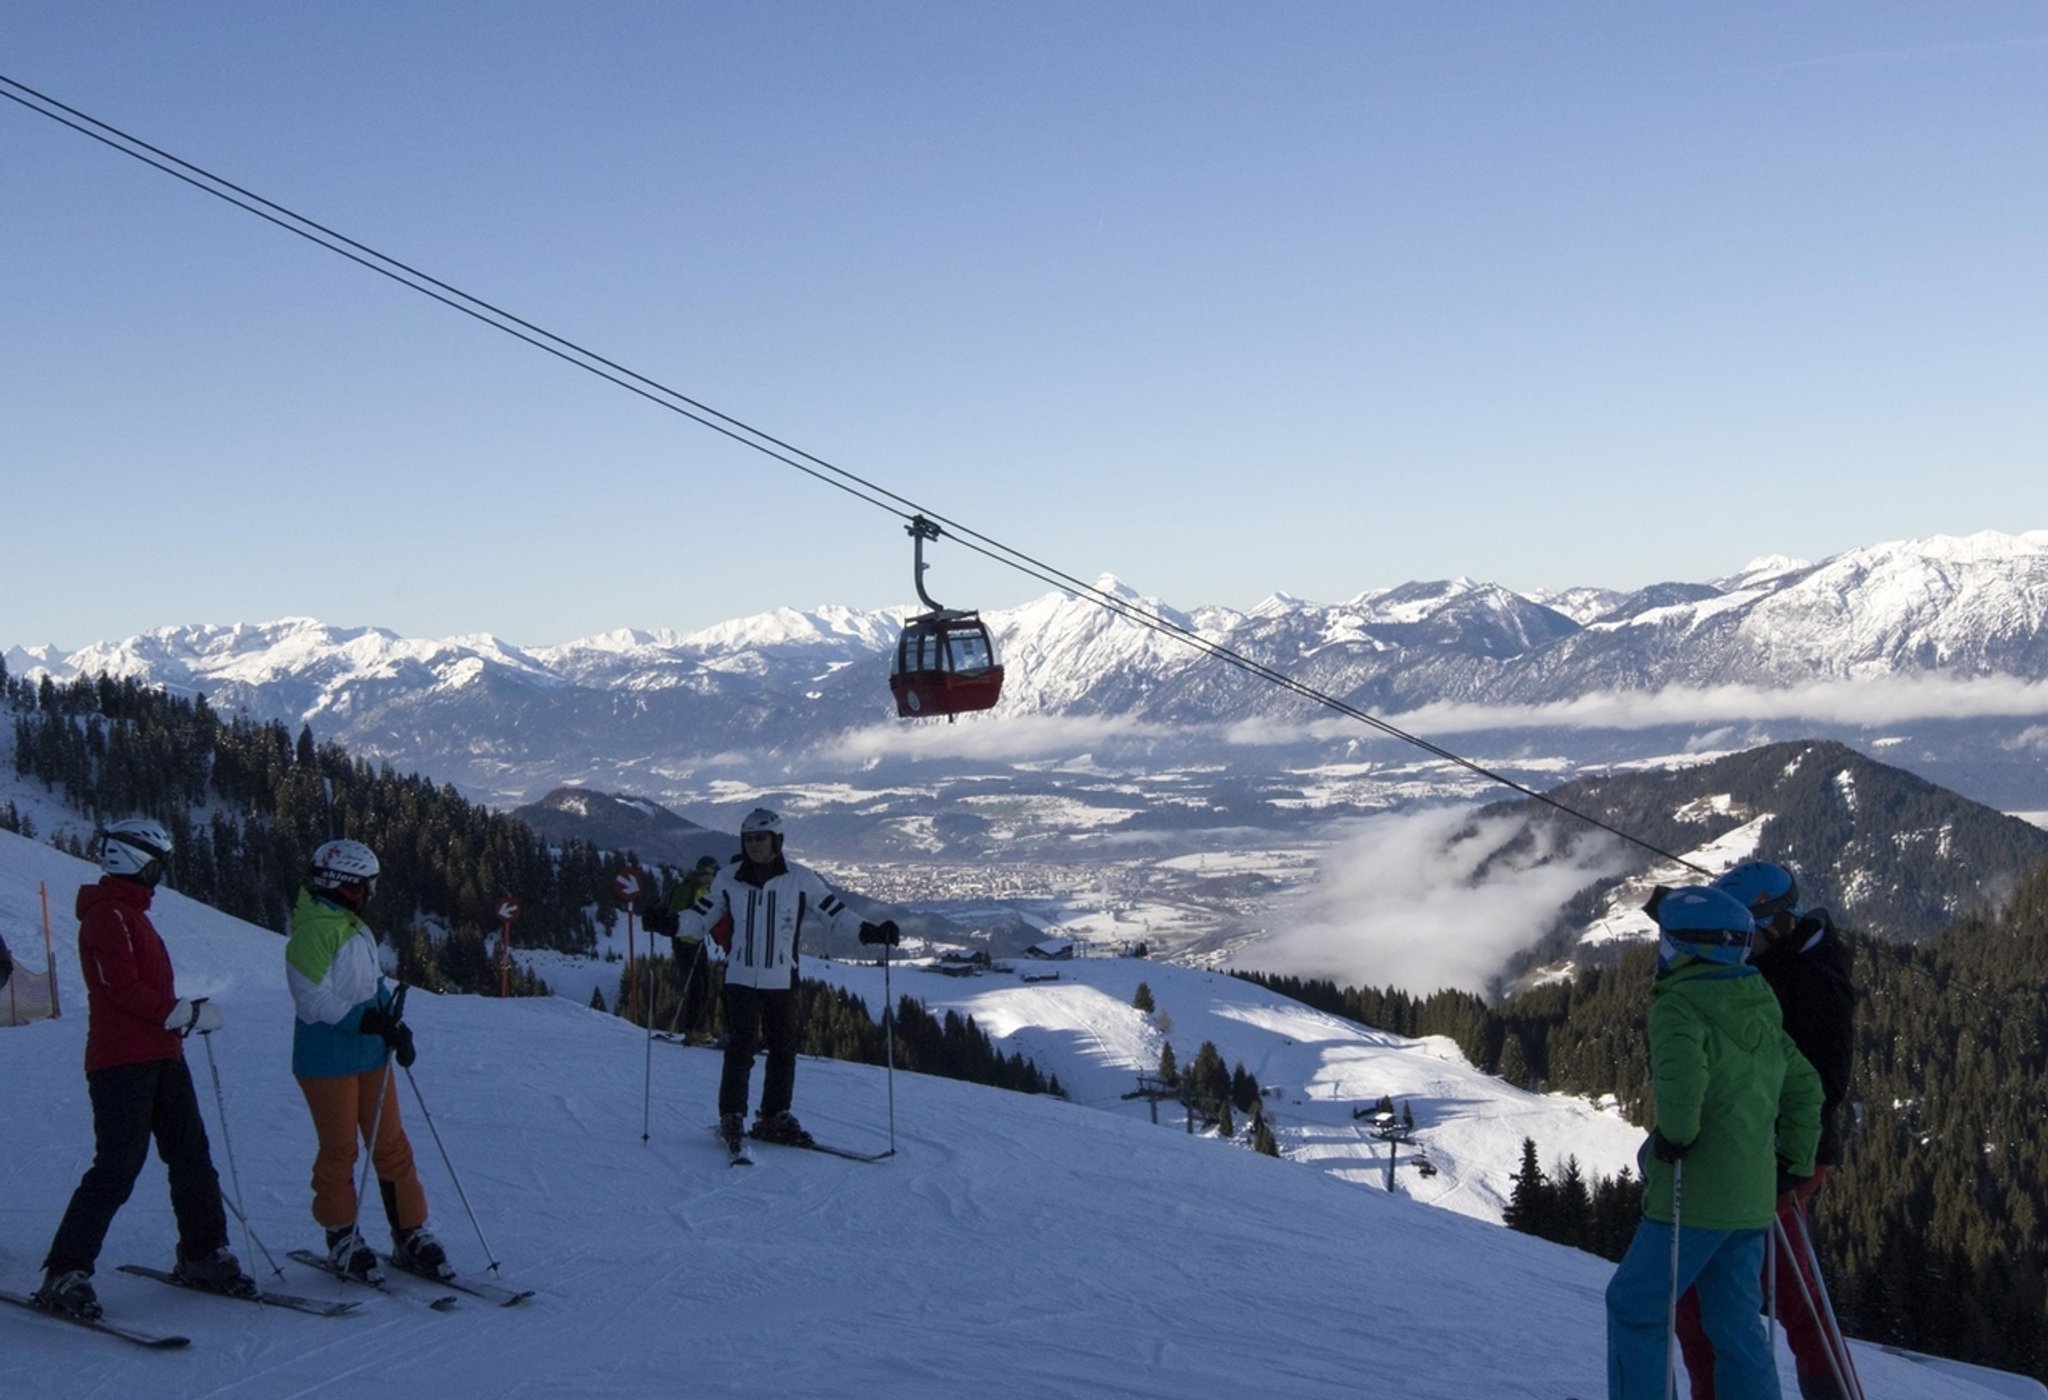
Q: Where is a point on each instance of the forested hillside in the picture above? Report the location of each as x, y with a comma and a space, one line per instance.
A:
1891, 853
247, 802
1932, 1229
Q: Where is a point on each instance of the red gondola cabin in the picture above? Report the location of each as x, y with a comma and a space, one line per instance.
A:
945, 665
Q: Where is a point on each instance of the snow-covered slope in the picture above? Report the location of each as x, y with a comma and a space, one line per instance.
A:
1319, 1071
1014, 1246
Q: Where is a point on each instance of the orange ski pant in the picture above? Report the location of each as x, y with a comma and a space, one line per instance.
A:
343, 1108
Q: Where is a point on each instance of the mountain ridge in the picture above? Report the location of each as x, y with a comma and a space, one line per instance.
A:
1954, 608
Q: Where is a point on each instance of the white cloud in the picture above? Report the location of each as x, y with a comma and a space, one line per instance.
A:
1875, 701
1728, 711
1402, 901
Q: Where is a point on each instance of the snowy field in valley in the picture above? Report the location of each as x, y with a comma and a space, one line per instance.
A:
1013, 1246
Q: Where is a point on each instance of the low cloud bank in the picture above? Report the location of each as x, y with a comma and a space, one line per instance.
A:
1402, 901
1874, 703
1878, 701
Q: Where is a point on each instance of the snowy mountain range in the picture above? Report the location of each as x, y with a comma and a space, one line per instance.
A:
1015, 1246
507, 722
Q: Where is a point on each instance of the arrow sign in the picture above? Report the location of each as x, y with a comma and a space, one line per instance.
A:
627, 884
508, 909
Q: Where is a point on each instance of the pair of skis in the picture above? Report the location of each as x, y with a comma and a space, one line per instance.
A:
159, 1341
736, 1153
269, 1300
489, 1292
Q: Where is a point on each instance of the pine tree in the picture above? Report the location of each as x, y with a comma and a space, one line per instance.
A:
1142, 998
1528, 1208
1572, 1205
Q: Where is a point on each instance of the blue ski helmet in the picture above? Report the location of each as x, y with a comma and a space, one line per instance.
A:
1765, 889
1700, 921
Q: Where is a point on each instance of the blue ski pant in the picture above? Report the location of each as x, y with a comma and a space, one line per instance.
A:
1725, 1267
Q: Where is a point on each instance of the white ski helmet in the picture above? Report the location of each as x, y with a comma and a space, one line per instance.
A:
762, 820
344, 865
137, 849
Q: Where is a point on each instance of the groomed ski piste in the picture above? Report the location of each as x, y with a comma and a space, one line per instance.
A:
1014, 1246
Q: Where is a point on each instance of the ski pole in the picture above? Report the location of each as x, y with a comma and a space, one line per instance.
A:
647, 1070
688, 977
452, 1175
250, 1231
227, 1143
889, 1044
355, 1225
1839, 1343
376, 1123
1671, 1319
1771, 1290
1832, 1335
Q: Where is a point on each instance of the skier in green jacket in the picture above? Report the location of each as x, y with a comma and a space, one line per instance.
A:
1738, 1108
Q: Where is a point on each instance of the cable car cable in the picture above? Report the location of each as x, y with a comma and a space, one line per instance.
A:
570, 352
1306, 691
426, 286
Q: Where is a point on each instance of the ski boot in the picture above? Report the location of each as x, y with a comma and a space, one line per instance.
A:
417, 1252
350, 1256
781, 1127
217, 1272
733, 1128
69, 1293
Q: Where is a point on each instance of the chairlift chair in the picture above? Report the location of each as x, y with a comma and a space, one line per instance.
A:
945, 661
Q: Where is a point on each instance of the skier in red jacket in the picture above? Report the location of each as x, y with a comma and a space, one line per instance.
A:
136, 1076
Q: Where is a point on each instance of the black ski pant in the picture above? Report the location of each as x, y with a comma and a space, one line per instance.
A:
752, 1015
130, 1105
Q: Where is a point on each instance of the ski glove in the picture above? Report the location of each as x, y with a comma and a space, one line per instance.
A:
396, 1034
657, 919
1787, 1181
1665, 1149
199, 1015
884, 932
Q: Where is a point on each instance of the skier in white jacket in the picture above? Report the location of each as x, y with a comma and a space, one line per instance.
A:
769, 901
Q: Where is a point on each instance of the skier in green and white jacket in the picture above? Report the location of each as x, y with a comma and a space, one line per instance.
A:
344, 1041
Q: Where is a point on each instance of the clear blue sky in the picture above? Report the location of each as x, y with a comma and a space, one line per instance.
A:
1221, 298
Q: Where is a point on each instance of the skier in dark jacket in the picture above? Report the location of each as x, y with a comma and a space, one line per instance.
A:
666, 918
1806, 963
136, 1077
